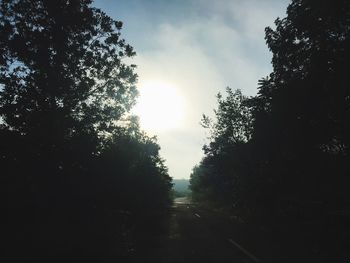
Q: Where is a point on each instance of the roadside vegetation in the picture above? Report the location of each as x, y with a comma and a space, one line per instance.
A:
281, 158
77, 173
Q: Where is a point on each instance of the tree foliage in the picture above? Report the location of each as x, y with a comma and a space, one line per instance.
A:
306, 121
62, 58
297, 150
225, 156
70, 151
233, 121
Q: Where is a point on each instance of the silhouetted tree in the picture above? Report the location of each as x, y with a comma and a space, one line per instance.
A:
219, 175
62, 59
295, 165
302, 110
74, 167
233, 123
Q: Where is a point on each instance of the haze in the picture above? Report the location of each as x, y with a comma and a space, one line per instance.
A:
198, 48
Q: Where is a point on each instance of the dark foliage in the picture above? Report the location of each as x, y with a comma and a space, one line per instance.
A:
292, 164
75, 170
220, 171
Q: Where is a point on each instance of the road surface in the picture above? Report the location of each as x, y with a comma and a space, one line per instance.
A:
192, 235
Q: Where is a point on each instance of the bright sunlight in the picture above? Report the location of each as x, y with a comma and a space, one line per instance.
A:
160, 106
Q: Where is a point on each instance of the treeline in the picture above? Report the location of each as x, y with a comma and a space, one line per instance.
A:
284, 154
181, 187
76, 170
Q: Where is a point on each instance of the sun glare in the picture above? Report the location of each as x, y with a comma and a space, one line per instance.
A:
160, 107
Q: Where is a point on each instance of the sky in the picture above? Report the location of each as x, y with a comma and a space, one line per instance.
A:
187, 52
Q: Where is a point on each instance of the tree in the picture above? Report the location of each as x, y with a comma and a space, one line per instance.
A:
302, 110
296, 146
61, 69
70, 152
233, 121
220, 175
64, 87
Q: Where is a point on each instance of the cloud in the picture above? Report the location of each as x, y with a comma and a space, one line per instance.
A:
199, 46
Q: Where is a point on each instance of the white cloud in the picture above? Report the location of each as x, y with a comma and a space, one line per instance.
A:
216, 44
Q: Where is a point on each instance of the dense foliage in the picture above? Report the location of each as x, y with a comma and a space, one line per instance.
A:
285, 153
220, 171
75, 167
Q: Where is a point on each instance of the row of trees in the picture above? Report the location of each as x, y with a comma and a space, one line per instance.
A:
287, 148
75, 167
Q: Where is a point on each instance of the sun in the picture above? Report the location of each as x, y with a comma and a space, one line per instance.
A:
160, 107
